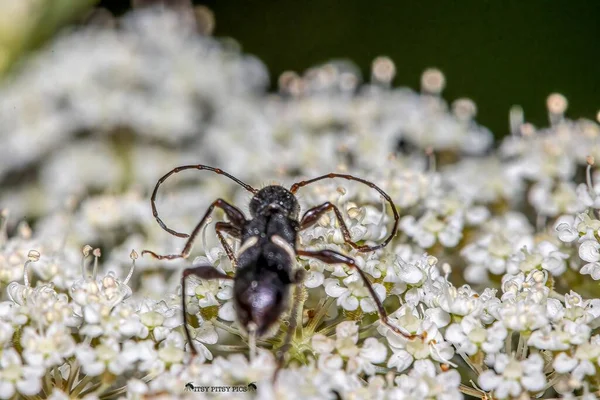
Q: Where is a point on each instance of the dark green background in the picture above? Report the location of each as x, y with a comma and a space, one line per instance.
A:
498, 53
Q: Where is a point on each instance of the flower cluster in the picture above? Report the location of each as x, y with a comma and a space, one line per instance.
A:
489, 290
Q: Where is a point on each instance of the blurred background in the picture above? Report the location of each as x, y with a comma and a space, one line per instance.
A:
498, 53
97, 102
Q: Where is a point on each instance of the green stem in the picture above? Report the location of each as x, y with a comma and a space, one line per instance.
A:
91, 389
234, 331
508, 343
328, 329
475, 368
58, 379
230, 347
81, 385
522, 347
48, 382
470, 391
555, 295
316, 321
73, 373
114, 393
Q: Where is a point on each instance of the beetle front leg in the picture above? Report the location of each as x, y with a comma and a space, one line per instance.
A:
236, 217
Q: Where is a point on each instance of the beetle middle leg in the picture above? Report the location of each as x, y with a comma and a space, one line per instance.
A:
333, 257
203, 272
236, 218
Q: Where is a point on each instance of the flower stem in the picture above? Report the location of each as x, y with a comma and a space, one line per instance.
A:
470, 391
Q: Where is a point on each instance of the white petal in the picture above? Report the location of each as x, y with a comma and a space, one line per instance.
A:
535, 362
227, 311
322, 344
488, 380
314, 279
411, 274
91, 313
449, 237
426, 239
330, 362
368, 305
29, 387
136, 386
438, 316
7, 389
333, 288
161, 333
584, 368
401, 360
349, 303
563, 363
373, 351
534, 382
424, 368
207, 333
93, 368
589, 251
506, 388
592, 269
455, 334
379, 291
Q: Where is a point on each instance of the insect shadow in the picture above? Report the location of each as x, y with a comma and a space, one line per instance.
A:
265, 260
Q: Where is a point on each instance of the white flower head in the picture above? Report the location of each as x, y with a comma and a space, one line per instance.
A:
509, 377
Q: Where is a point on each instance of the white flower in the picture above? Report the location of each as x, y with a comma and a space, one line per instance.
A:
359, 359
551, 198
205, 333
580, 365
96, 360
18, 378
43, 304
566, 226
502, 237
405, 351
523, 315
171, 350
422, 382
49, 348
120, 322
447, 229
511, 377
462, 301
468, 335
354, 293
108, 291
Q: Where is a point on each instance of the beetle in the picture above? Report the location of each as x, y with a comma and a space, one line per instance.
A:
264, 262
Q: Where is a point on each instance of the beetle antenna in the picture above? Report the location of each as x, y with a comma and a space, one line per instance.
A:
182, 168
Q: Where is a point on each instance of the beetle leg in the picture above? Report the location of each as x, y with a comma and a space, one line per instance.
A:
236, 218
233, 231
202, 272
312, 215
333, 257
